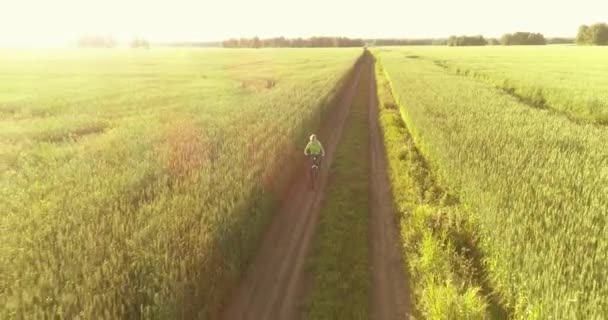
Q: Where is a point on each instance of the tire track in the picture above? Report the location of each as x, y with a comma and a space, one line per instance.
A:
390, 295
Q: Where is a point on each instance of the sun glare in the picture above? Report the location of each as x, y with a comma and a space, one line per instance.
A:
62, 22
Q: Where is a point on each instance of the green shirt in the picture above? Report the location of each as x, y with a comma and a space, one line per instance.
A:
314, 148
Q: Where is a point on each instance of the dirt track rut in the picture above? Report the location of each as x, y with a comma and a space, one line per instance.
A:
390, 296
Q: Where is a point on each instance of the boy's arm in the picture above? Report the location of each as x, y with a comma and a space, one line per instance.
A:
322, 149
306, 149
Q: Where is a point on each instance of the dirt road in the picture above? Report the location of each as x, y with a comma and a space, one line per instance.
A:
273, 285
390, 297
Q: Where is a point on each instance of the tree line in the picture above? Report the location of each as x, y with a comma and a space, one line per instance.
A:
139, 43
509, 39
523, 38
408, 42
110, 42
97, 42
518, 38
282, 42
596, 34
455, 41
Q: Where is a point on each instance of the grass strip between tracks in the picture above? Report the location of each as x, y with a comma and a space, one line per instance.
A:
340, 261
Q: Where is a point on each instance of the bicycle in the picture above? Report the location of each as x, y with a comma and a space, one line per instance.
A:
314, 170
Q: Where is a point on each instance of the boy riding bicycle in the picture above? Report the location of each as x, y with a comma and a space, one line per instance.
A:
314, 149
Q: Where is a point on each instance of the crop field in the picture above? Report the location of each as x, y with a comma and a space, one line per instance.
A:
135, 183
567, 79
458, 183
528, 180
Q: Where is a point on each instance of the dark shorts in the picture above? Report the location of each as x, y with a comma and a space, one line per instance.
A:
315, 160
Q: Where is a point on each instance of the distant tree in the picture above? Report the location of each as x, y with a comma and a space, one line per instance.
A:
596, 34
599, 34
317, 42
298, 43
199, 44
275, 42
320, 42
333, 42
523, 38
97, 42
455, 41
256, 43
347, 42
139, 43
244, 43
434, 42
282, 42
407, 42
561, 41
493, 42
583, 35
231, 43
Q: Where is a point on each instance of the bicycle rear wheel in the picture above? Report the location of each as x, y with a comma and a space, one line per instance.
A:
313, 177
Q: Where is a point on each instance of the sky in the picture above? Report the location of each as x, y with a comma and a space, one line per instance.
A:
62, 22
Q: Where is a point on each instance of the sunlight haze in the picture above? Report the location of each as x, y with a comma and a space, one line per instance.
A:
62, 22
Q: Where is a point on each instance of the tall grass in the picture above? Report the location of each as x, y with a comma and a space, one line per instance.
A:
537, 182
439, 235
136, 184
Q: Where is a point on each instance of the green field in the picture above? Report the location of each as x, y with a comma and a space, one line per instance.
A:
438, 234
135, 183
568, 79
139, 183
534, 182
